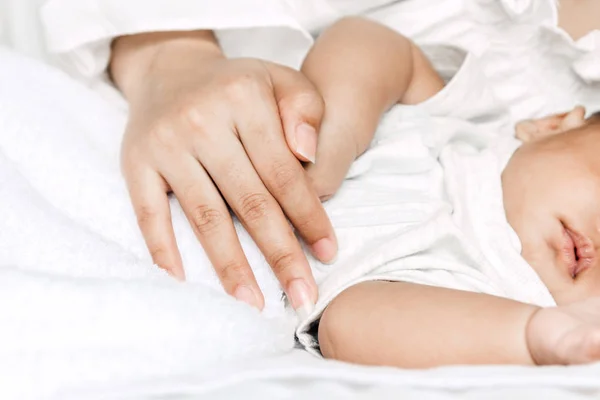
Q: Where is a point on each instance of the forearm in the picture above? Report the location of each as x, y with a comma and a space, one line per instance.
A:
417, 326
134, 56
362, 68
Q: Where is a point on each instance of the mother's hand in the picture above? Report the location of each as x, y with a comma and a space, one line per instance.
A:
207, 129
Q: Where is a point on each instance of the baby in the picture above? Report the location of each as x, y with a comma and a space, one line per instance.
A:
445, 283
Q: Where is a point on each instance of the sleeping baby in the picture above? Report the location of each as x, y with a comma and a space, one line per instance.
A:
459, 244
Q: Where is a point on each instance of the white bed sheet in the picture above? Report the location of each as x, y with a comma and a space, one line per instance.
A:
298, 375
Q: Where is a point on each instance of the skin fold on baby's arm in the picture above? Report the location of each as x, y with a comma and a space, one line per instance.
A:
362, 69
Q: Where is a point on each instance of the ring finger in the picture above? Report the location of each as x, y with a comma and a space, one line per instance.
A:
213, 226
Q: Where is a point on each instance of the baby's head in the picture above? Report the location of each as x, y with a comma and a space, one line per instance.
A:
551, 189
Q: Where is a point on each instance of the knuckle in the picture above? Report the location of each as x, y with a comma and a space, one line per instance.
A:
284, 178
305, 99
253, 206
281, 261
308, 222
163, 136
145, 215
233, 271
206, 218
133, 154
239, 87
192, 115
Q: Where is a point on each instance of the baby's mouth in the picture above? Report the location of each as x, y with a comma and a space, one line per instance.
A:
578, 252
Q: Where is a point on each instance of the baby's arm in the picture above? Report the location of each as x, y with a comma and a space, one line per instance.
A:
417, 326
361, 68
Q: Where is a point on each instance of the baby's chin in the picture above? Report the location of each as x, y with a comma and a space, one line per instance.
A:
539, 254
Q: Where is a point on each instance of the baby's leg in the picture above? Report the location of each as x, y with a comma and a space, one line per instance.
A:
417, 326
579, 17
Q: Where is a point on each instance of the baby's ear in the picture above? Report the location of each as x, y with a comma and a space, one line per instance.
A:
531, 130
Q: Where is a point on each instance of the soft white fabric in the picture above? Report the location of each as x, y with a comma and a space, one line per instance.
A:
21, 28
297, 375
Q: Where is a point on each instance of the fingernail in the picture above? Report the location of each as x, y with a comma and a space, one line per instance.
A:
245, 294
325, 250
306, 142
300, 297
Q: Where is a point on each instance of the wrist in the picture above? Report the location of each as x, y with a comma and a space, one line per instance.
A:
135, 58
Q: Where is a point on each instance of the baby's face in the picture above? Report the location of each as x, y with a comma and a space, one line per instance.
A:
551, 191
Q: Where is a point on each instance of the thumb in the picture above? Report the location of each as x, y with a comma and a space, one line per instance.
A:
301, 110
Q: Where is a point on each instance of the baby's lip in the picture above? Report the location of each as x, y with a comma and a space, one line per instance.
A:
579, 252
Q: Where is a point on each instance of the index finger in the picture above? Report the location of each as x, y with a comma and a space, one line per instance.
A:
300, 107
261, 132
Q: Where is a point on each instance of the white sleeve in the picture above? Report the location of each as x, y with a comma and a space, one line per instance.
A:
80, 31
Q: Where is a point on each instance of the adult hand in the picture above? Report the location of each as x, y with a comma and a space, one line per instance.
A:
218, 132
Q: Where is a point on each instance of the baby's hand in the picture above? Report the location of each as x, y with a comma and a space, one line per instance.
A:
339, 145
361, 69
536, 129
566, 334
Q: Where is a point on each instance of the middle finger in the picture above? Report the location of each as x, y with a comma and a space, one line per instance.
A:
261, 134
260, 214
